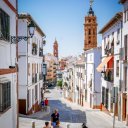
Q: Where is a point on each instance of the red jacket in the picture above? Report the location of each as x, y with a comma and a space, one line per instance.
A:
46, 102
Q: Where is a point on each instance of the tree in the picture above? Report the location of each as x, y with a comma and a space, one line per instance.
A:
59, 83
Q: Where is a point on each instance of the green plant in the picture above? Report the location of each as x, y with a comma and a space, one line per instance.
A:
59, 83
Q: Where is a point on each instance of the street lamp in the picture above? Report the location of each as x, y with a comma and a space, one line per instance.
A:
103, 72
44, 69
31, 29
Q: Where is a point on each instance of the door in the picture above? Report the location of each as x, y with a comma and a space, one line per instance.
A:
124, 107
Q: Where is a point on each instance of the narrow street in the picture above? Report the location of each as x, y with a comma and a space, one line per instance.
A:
72, 114
67, 113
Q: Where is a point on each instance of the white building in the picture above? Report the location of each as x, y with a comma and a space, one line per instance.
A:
124, 85
111, 66
68, 78
92, 78
8, 70
65, 83
78, 82
68, 83
30, 60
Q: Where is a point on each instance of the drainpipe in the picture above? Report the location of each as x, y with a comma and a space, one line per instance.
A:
17, 64
120, 86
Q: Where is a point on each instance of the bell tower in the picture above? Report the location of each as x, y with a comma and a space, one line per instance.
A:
55, 48
90, 29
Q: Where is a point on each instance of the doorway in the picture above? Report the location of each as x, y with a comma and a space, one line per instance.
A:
124, 107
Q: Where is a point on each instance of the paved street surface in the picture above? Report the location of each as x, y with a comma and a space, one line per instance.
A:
72, 114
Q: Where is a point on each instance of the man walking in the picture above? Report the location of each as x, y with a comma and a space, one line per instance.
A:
54, 118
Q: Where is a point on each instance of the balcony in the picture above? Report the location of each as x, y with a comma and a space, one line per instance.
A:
108, 51
54, 67
41, 52
40, 76
34, 79
34, 49
111, 50
108, 76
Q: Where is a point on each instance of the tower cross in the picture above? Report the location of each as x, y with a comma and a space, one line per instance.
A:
91, 2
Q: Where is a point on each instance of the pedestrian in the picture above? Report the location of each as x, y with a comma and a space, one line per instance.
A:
47, 125
84, 125
42, 105
54, 118
46, 102
58, 124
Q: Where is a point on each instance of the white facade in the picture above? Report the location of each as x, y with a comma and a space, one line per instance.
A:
79, 86
112, 35
92, 77
8, 116
124, 73
30, 60
65, 83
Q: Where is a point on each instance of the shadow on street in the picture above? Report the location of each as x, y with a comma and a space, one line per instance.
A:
67, 114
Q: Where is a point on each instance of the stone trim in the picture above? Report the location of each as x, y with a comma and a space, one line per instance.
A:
7, 71
10, 6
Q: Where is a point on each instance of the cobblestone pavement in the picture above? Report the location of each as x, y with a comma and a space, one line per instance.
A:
72, 114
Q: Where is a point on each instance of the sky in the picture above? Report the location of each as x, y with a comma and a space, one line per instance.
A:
64, 20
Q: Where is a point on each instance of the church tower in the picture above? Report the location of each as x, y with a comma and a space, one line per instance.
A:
90, 29
55, 48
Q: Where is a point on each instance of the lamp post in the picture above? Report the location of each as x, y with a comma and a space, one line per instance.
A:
31, 29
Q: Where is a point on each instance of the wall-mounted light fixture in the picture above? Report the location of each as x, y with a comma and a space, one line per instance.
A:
31, 29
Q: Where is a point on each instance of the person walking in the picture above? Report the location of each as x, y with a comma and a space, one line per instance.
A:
84, 125
47, 125
54, 118
42, 105
46, 102
58, 124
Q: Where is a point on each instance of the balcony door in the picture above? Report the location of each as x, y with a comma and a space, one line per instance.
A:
124, 107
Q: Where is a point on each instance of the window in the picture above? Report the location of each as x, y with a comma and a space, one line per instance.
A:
89, 32
36, 92
117, 67
37, 68
118, 35
85, 94
103, 95
4, 25
125, 16
126, 46
107, 98
94, 32
5, 96
29, 69
125, 78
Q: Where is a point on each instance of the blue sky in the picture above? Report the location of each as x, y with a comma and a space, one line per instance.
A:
64, 19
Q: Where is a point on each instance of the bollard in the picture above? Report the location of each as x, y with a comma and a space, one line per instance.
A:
68, 125
33, 124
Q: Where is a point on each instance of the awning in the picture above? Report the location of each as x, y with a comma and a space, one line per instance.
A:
102, 64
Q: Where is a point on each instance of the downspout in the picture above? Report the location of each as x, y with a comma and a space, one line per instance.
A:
120, 87
17, 64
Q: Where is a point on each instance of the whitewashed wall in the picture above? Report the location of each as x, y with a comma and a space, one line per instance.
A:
25, 57
8, 119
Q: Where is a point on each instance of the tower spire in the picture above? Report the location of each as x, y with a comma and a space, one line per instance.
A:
91, 12
91, 2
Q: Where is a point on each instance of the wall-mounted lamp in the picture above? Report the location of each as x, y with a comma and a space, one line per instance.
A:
31, 29
103, 72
